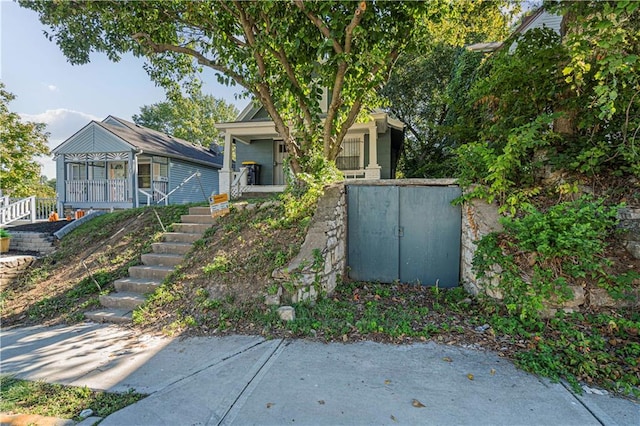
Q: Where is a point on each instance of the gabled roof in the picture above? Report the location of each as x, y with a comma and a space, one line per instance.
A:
149, 141
540, 18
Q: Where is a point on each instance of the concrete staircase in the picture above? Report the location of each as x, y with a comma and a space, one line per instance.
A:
145, 278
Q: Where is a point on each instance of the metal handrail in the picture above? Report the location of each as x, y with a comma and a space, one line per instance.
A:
236, 188
178, 187
148, 196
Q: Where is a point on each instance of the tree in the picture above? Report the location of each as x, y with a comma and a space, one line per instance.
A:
416, 92
190, 118
283, 53
558, 111
421, 91
20, 145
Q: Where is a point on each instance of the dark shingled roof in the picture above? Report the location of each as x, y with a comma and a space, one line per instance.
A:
153, 142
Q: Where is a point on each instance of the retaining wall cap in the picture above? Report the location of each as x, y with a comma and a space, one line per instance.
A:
73, 225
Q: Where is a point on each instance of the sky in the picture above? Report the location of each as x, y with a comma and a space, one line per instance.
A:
66, 97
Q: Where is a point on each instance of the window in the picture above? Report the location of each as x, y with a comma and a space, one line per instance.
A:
97, 170
76, 171
117, 170
144, 175
352, 155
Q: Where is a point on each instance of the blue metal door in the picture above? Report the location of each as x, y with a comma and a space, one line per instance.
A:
409, 234
372, 222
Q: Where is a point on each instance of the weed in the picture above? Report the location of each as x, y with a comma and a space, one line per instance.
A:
59, 401
220, 264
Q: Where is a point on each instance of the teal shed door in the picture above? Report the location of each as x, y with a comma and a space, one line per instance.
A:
409, 234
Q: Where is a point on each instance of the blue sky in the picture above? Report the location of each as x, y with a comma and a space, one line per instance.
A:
66, 97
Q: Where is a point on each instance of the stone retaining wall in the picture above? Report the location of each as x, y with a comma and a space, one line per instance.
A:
12, 266
480, 219
630, 223
322, 258
40, 242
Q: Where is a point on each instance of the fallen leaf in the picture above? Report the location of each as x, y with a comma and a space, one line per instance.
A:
270, 404
470, 376
345, 337
492, 372
446, 358
321, 402
387, 382
417, 403
393, 418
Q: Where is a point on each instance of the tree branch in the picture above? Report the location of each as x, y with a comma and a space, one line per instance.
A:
320, 25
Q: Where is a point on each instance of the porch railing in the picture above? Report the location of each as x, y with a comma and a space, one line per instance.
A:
97, 191
158, 194
44, 206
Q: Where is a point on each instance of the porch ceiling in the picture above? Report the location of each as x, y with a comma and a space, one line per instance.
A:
246, 131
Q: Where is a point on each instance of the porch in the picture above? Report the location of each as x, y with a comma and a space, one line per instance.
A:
97, 191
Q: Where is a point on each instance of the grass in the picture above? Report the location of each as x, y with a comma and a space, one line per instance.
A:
52, 400
65, 284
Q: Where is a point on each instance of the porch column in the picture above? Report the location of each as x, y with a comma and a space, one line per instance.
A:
372, 170
225, 175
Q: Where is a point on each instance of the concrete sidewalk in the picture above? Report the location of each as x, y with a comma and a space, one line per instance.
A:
249, 380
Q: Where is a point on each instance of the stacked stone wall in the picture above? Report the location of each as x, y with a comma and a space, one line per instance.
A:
322, 258
40, 242
11, 267
630, 225
479, 219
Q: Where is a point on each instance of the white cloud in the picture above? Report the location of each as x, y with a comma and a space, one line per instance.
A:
52, 88
61, 124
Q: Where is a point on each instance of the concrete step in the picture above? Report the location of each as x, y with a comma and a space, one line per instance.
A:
191, 228
161, 259
180, 237
200, 211
115, 316
171, 248
136, 285
153, 272
198, 218
122, 300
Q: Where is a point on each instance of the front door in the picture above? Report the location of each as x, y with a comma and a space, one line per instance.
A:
279, 157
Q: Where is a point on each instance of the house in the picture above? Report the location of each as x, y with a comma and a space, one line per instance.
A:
540, 18
370, 150
116, 164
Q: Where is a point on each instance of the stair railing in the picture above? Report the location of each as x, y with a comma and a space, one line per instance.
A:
165, 198
18, 210
236, 188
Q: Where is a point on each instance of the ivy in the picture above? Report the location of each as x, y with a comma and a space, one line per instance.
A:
549, 112
540, 255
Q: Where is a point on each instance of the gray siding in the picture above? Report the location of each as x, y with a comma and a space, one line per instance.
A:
60, 192
260, 151
546, 20
384, 154
191, 192
94, 139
